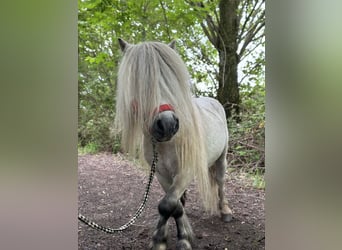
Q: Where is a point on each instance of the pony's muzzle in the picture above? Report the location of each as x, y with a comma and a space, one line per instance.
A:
165, 126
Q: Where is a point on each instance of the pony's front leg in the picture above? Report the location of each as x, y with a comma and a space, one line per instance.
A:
184, 230
159, 237
169, 206
166, 208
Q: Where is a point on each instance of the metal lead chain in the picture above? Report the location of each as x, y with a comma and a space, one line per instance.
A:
140, 209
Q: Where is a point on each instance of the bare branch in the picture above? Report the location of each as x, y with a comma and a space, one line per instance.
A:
256, 38
216, 16
212, 38
165, 18
252, 146
251, 20
241, 9
251, 34
246, 75
249, 51
251, 13
211, 29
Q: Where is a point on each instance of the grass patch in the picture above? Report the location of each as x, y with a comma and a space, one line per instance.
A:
249, 178
90, 148
258, 179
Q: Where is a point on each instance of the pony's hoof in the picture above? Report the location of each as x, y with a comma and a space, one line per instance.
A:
159, 246
183, 245
226, 217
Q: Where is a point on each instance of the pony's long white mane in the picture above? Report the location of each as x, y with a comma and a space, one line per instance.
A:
151, 74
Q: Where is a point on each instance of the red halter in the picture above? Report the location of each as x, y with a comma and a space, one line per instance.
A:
162, 108
165, 107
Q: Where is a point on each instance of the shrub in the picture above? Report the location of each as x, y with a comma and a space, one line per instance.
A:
247, 137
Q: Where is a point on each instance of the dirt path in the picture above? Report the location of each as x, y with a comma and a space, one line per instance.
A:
111, 189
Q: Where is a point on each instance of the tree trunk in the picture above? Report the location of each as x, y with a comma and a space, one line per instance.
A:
228, 90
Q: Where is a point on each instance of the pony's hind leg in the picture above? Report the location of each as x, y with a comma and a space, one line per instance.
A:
220, 170
183, 198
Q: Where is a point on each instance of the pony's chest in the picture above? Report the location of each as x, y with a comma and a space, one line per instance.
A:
167, 165
167, 159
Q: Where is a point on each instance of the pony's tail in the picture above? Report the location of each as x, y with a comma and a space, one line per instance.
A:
206, 182
208, 188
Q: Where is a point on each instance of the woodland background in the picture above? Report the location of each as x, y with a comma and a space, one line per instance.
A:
222, 43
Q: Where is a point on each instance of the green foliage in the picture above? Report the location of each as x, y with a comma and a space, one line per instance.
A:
101, 22
247, 137
258, 179
96, 81
90, 148
249, 177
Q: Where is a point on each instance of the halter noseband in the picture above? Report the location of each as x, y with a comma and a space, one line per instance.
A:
160, 109
165, 107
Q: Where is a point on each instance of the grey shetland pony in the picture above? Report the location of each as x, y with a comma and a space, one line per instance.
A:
154, 100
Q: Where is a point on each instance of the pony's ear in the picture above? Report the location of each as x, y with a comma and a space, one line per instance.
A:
123, 44
172, 44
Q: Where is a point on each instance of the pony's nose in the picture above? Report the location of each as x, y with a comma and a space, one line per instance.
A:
165, 127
